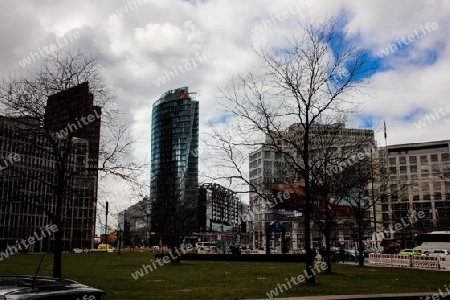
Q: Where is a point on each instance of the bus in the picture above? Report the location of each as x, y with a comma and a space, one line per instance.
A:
433, 240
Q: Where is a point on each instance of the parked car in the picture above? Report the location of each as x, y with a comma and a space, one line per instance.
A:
106, 247
368, 251
390, 246
352, 253
437, 252
410, 252
77, 250
349, 255
44, 288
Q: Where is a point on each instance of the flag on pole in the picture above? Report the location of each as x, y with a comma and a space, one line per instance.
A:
385, 135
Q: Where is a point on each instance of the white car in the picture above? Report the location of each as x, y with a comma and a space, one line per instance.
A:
436, 252
205, 246
77, 250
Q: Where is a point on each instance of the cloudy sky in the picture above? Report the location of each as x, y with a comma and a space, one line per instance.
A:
139, 45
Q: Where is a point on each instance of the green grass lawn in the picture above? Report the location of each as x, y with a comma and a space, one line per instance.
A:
220, 280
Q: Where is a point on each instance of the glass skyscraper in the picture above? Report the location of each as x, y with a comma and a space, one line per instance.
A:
174, 163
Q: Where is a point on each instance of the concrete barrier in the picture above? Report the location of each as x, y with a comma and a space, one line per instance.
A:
248, 251
244, 257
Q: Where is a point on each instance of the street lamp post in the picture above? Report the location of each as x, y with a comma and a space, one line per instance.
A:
106, 223
120, 239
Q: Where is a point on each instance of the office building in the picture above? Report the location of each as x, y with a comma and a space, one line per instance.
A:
27, 184
271, 173
221, 209
133, 222
174, 162
414, 177
72, 113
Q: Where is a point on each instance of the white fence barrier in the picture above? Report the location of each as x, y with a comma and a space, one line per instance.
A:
377, 259
444, 263
418, 262
425, 262
402, 261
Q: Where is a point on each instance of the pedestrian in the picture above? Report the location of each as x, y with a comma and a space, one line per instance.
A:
341, 253
322, 253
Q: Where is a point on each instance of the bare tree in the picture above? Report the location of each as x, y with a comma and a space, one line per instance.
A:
362, 187
304, 85
353, 185
28, 100
335, 149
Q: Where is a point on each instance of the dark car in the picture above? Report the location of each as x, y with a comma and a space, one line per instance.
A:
348, 255
46, 288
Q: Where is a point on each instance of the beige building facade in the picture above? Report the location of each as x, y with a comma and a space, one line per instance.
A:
414, 178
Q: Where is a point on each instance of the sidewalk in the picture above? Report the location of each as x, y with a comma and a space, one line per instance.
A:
404, 296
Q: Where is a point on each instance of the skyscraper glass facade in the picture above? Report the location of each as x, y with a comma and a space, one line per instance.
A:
174, 160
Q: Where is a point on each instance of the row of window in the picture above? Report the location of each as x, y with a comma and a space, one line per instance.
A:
399, 211
424, 197
415, 187
423, 168
402, 160
416, 150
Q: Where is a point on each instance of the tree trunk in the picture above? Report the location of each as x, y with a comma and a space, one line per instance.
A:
310, 253
57, 255
328, 252
310, 278
361, 249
